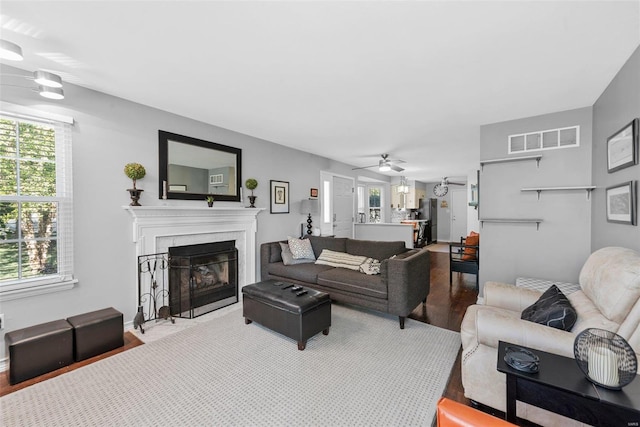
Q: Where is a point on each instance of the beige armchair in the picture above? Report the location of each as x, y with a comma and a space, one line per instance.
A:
608, 299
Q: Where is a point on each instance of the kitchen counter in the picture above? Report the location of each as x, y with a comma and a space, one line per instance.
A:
385, 231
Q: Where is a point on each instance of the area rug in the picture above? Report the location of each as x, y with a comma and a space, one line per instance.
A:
365, 372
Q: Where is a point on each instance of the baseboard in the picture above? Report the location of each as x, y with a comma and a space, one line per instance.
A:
4, 364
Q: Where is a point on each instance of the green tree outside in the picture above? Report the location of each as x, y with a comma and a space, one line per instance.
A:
28, 210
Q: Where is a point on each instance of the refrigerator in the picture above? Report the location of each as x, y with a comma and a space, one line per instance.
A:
429, 211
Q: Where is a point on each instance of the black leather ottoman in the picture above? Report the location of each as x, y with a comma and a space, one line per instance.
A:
38, 349
277, 306
96, 332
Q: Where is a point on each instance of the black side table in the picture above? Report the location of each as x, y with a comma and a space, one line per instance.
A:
561, 387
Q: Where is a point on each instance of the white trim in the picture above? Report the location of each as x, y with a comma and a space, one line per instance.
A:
31, 113
26, 292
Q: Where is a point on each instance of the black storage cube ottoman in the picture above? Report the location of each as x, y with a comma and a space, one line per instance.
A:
96, 332
38, 349
279, 307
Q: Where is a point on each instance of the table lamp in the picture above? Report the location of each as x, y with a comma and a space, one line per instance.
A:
310, 207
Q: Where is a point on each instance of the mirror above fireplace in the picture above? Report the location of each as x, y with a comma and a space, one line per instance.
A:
191, 169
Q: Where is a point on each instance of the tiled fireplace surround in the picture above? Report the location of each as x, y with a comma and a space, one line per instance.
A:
156, 228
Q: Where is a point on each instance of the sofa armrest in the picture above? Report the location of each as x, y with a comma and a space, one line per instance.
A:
493, 326
407, 281
269, 252
509, 297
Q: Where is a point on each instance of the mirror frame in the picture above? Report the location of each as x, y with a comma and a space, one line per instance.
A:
163, 156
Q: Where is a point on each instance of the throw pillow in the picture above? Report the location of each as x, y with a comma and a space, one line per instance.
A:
301, 248
287, 256
552, 309
370, 266
473, 239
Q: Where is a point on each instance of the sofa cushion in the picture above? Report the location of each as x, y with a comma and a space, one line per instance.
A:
341, 260
353, 281
287, 256
374, 249
552, 309
319, 243
301, 272
611, 279
301, 248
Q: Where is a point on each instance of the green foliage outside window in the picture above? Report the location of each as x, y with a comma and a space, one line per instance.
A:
28, 210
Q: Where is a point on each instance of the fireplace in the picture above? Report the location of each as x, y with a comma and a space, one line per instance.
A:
158, 228
202, 278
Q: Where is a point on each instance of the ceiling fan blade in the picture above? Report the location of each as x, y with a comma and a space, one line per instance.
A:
456, 183
365, 167
396, 168
397, 161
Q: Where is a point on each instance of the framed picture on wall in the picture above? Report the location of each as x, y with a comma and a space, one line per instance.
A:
621, 203
279, 197
622, 147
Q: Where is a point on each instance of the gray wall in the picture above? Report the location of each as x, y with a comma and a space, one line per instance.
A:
110, 132
616, 107
558, 250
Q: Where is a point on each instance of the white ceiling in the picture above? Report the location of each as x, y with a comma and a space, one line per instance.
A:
347, 80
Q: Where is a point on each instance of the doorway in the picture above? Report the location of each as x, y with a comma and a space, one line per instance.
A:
458, 214
337, 205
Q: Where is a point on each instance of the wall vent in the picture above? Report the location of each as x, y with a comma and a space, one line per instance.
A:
550, 139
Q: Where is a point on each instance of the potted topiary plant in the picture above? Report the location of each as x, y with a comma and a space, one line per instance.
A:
134, 171
210, 200
251, 184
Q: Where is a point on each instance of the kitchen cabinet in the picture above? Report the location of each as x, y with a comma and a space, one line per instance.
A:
410, 200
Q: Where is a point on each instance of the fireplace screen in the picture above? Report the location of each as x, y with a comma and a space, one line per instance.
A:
202, 278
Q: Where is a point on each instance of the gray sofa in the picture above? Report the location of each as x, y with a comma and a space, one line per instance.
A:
402, 284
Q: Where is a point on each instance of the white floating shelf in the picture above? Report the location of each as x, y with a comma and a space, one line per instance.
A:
511, 159
587, 188
513, 220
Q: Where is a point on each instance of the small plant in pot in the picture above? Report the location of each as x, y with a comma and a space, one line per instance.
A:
210, 200
251, 184
134, 171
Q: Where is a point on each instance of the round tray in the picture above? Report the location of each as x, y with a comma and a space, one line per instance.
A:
521, 359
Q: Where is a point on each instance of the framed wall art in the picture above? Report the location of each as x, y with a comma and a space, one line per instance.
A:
313, 193
621, 203
279, 197
622, 147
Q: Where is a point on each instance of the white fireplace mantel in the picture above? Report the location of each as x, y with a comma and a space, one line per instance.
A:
157, 228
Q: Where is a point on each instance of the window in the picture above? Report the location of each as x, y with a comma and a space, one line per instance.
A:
375, 204
35, 203
370, 204
545, 140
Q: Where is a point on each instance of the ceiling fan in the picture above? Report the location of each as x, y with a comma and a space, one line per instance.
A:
442, 189
445, 182
385, 164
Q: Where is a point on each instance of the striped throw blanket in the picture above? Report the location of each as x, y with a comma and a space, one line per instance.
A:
359, 263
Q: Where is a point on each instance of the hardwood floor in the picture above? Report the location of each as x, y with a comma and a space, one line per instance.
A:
445, 308
130, 341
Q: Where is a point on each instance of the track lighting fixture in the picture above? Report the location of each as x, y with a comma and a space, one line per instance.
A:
49, 85
10, 51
